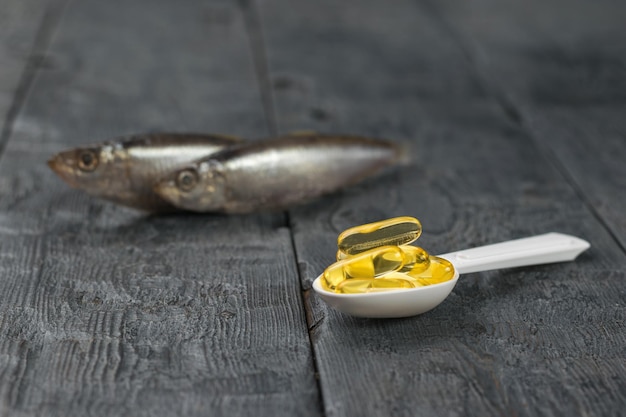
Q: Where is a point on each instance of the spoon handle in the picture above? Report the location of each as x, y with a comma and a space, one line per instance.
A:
535, 250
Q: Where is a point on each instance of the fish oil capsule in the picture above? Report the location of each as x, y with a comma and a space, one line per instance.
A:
364, 285
440, 270
396, 231
369, 264
415, 282
417, 259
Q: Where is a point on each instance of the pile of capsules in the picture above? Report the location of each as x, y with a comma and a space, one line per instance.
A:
378, 257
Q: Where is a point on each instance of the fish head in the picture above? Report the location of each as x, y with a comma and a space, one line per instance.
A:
93, 169
199, 187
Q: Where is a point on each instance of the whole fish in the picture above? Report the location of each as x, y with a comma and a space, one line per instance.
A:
125, 170
276, 173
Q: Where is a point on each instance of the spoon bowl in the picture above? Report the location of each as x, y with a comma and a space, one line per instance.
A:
541, 249
388, 304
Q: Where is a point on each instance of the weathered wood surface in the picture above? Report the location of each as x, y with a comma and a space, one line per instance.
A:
536, 341
562, 72
23, 36
516, 129
104, 311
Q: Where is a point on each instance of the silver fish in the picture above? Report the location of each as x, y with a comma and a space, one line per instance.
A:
276, 173
125, 170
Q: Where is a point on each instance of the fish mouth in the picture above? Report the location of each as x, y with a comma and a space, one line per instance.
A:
59, 166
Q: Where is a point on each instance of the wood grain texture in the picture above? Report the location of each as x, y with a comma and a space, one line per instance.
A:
563, 73
544, 340
104, 311
23, 31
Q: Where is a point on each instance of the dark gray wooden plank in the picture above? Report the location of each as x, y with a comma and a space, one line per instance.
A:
563, 72
19, 21
105, 311
23, 36
545, 340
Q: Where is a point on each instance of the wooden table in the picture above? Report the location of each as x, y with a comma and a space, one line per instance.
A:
516, 115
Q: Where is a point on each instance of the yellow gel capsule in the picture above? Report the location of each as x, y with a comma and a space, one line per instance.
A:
417, 259
396, 231
363, 285
415, 282
369, 264
440, 270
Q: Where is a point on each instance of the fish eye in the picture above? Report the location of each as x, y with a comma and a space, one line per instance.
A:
87, 161
187, 179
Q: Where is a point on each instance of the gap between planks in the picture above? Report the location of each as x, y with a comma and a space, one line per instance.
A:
256, 40
258, 49
34, 62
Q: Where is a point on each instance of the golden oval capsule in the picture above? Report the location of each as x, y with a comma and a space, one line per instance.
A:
440, 270
369, 264
417, 259
395, 231
362, 285
415, 282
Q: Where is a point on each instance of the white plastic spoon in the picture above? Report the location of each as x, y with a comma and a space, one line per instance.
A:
536, 250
